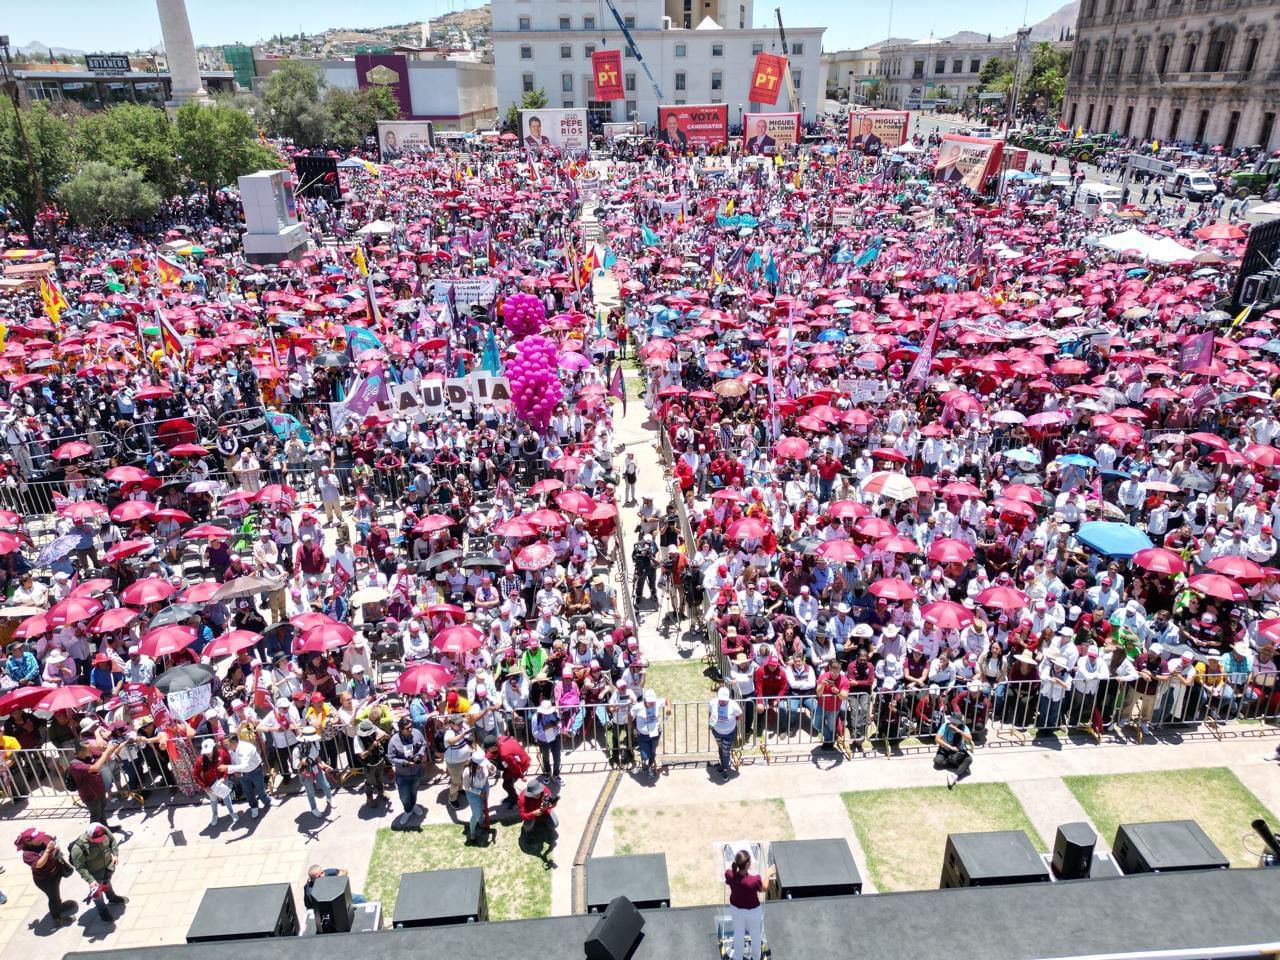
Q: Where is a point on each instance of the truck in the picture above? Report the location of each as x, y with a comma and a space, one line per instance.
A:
1258, 180
1193, 184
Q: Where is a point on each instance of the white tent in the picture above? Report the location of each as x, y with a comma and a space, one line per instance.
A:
1159, 249
378, 227
1271, 209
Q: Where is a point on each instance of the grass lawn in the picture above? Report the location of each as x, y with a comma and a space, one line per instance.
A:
904, 832
680, 680
689, 835
516, 884
1213, 798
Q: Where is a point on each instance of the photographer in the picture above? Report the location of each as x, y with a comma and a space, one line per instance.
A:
406, 750
371, 757
538, 821
955, 749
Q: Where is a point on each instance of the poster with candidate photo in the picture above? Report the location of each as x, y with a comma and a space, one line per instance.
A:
765, 133
876, 130
694, 126
967, 160
558, 131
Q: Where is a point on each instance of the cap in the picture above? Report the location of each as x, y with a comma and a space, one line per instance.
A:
206, 748
722, 694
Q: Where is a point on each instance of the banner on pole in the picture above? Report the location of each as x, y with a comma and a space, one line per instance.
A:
606, 68
766, 78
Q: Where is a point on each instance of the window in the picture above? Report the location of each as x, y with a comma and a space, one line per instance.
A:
717, 49
917, 69
1162, 61
629, 83
795, 78
681, 103
1201, 125
566, 52
939, 66
1128, 122
957, 66
1251, 55
629, 21
1233, 127
1189, 58
797, 49
567, 104
526, 52
631, 108
681, 50
975, 65
1175, 124
1218, 48
566, 83
565, 23
688, 21
1268, 124
688, 6
588, 50
526, 83
757, 48
627, 54
742, 17
524, 23
680, 81
717, 81
588, 23
1151, 123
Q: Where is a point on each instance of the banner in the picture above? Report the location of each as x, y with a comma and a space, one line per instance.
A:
920, 369
766, 78
704, 125
764, 133
389, 70
843, 216
185, 704
1196, 353
967, 160
873, 130
545, 130
399, 137
467, 291
606, 68
626, 128
364, 394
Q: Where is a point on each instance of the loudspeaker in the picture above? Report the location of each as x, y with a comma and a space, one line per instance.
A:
641, 878
617, 932
1073, 851
991, 859
436, 898
1166, 846
813, 868
331, 900
245, 913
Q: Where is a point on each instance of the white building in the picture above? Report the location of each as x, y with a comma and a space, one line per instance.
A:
850, 73
928, 71
548, 44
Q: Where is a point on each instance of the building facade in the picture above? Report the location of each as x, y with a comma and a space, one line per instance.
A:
102, 81
547, 45
729, 14
929, 72
850, 74
1192, 71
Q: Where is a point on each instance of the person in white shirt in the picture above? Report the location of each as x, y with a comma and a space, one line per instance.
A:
647, 719
722, 716
1262, 546
246, 766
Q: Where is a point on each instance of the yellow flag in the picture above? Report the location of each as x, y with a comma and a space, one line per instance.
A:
361, 264
728, 208
371, 168
1244, 315
4, 334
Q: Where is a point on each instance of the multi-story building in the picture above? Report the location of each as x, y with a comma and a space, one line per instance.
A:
1194, 71
922, 73
850, 73
547, 45
729, 14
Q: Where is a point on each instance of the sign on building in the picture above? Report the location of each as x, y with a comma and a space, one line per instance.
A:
106, 63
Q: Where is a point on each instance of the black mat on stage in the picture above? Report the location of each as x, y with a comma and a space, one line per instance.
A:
1027, 922
641, 878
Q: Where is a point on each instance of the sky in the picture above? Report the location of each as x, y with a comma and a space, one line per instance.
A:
105, 26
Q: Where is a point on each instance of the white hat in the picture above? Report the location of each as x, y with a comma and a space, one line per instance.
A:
546, 708
722, 694
650, 696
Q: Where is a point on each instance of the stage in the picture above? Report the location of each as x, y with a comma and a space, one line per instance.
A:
1149, 912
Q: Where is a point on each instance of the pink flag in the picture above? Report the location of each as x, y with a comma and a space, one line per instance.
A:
618, 389
924, 359
1196, 353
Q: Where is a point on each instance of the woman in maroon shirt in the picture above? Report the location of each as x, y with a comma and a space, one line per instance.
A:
744, 903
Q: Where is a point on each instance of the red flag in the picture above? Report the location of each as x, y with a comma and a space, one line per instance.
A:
618, 389
606, 69
493, 256
766, 78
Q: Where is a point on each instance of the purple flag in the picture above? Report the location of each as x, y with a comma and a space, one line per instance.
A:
1196, 353
924, 359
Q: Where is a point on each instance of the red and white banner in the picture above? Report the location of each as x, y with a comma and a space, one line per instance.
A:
606, 68
766, 78
968, 160
764, 133
874, 130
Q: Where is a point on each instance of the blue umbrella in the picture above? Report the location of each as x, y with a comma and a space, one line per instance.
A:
1122, 474
1078, 460
1113, 539
57, 549
832, 336
1023, 455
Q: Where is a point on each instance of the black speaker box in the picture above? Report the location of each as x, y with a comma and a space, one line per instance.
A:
1165, 846
813, 868
436, 898
1073, 851
641, 878
991, 859
617, 932
245, 913
331, 897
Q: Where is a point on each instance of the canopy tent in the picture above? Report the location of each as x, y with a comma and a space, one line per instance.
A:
1159, 249
377, 227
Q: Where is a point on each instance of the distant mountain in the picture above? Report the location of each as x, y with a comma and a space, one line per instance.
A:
1055, 24
889, 42
38, 49
965, 36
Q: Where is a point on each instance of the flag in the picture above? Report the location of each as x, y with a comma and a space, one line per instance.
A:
167, 270
491, 359
735, 258
1244, 314
170, 342
54, 301
493, 256
648, 237
618, 389
375, 318
1062, 125
1196, 353
869, 255
919, 371
680, 215
451, 298
771, 270
275, 356
361, 263
142, 337
728, 208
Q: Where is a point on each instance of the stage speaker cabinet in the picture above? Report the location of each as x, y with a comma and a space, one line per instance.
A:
331, 897
1073, 851
245, 913
438, 898
1166, 846
813, 868
1253, 289
992, 859
617, 932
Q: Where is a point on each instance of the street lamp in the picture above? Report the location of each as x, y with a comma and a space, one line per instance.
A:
739, 115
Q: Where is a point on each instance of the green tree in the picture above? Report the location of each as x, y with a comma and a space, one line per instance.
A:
132, 137
217, 144
996, 76
354, 115
100, 194
49, 138
1048, 80
532, 100
294, 106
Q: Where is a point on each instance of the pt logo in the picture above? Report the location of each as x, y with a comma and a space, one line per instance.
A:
606, 77
766, 78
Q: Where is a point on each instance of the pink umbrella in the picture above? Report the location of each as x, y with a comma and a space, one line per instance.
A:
748, 528
168, 639
535, 556
73, 610
433, 522
896, 544
22, 698
947, 614
326, 637
1160, 560
208, 531
947, 550
306, 621
458, 639
1236, 568
892, 588
792, 448
1003, 598
33, 626
149, 590
840, 551
109, 621
847, 509
575, 501
426, 679
515, 527
72, 450
132, 510
71, 697
199, 592
229, 644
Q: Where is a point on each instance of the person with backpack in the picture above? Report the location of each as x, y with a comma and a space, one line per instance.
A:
95, 854
511, 760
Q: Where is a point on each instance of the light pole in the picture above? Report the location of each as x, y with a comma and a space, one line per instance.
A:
740, 126
10, 85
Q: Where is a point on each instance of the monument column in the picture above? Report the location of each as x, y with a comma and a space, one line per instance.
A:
180, 51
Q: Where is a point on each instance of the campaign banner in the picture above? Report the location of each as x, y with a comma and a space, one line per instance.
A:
563, 130
467, 291
367, 392
626, 128
766, 78
1196, 353
399, 137
843, 216
876, 129
704, 125
967, 160
389, 70
606, 69
764, 133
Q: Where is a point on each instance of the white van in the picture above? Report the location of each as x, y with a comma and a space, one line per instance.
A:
1192, 184
1092, 195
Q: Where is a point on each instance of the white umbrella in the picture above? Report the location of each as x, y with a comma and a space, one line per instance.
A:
1008, 416
895, 486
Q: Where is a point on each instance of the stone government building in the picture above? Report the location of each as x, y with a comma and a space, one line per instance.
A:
1198, 71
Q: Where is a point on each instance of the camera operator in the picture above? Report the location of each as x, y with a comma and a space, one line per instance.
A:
538, 821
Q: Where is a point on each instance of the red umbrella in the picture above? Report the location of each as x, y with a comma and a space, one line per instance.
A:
117, 618
535, 556
846, 509
896, 544
1160, 560
1270, 629
72, 450
959, 488
748, 528
34, 626
892, 588
84, 510
188, 450
451, 610
199, 592
149, 590
326, 637
73, 610
276, 494
947, 550
127, 548
1220, 231
127, 475
1003, 598
433, 522
576, 502
1237, 568
515, 527
462, 638
550, 485
168, 639
792, 448
948, 615
875, 527
208, 531
427, 679
22, 697
736, 496
840, 551
170, 513
132, 510
229, 644
307, 621
1216, 585
71, 697
1020, 491
544, 519
91, 588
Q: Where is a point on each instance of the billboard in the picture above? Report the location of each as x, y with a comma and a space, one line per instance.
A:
967, 160
766, 78
564, 130
317, 177
764, 133
874, 130
398, 137
623, 128
691, 126
606, 69
389, 70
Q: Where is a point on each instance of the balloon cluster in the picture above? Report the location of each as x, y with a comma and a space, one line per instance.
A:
524, 314
535, 380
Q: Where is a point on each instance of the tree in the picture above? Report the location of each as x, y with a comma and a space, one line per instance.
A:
996, 76
132, 137
294, 108
49, 139
100, 194
354, 115
217, 144
532, 100
1049, 70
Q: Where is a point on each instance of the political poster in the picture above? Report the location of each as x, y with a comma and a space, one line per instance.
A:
397, 138
389, 71
843, 216
467, 291
545, 131
705, 125
766, 78
625, 128
606, 70
967, 160
875, 130
765, 133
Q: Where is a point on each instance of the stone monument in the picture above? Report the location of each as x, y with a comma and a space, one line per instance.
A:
185, 85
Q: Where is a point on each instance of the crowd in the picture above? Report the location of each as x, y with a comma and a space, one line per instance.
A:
939, 461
